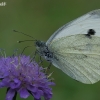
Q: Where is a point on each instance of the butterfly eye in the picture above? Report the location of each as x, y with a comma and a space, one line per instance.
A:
38, 43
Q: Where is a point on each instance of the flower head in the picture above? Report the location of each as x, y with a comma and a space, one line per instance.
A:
20, 75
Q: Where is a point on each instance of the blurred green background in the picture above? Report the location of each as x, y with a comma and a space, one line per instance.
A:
40, 18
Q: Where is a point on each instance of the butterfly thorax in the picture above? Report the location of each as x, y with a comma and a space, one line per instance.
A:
43, 50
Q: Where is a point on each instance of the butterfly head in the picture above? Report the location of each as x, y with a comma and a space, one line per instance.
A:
39, 43
40, 46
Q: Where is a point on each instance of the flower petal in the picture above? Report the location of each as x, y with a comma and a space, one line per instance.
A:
10, 94
23, 93
32, 88
2, 84
37, 95
15, 84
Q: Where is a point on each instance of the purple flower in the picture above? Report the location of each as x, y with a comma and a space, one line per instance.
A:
21, 75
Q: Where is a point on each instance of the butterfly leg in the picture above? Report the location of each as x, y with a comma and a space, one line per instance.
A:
34, 56
25, 49
40, 60
47, 69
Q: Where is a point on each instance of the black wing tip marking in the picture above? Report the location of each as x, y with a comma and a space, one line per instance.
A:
95, 12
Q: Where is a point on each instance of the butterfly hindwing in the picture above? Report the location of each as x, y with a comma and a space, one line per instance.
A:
78, 56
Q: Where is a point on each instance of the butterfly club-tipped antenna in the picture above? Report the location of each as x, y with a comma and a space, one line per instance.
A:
37, 42
26, 35
25, 40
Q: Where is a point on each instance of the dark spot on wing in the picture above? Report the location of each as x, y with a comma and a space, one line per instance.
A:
90, 32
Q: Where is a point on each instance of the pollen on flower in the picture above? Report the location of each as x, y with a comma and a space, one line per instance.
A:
20, 75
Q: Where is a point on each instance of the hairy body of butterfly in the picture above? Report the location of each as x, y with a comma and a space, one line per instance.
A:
43, 50
75, 48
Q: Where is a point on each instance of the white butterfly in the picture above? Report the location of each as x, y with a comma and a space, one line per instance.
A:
75, 48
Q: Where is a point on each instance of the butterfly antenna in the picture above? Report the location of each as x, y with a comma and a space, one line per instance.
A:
25, 41
25, 34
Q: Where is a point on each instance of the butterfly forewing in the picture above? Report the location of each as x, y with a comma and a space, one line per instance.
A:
80, 25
